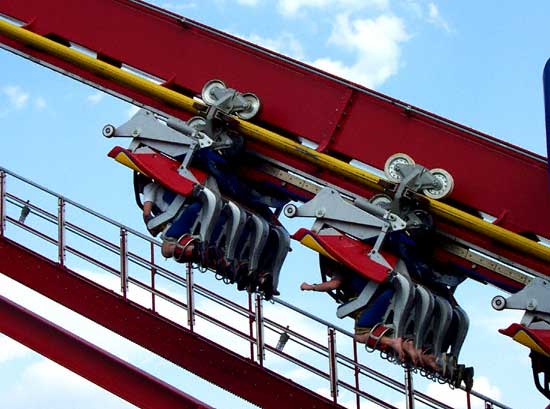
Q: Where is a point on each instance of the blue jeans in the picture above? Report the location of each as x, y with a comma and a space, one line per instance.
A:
374, 313
182, 225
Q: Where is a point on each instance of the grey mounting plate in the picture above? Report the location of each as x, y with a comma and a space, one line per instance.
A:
174, 139
533, 297
331, 209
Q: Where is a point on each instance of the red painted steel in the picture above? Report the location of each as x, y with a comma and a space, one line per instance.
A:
164, 169
346, 120
98, 366
351, 253
197, 354
540, 337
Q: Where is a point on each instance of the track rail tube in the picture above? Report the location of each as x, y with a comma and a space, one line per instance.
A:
272, 139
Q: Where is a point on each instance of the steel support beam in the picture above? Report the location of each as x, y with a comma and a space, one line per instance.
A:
268, 138
167, 339
98, 366
344, 119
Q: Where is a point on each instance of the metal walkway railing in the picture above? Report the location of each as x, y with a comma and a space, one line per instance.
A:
321, 352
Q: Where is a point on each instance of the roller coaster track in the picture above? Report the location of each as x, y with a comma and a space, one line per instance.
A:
41, 250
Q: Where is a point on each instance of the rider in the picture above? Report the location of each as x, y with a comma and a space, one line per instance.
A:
351, 284
177, 241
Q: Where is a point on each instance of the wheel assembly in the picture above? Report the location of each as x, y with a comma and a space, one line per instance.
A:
252, 106
391, 167
208, 91
197, 122
381, 200
446, 182
108, 131
290, 210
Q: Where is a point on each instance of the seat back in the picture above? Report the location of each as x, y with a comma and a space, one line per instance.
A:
419, 318
359, 303
233, 229
208, 215
462, 325
281, 246
439, 325
400, 305
159, 223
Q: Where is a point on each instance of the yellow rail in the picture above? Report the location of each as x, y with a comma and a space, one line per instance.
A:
266, 137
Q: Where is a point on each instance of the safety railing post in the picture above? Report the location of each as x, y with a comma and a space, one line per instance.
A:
190, 297
260, 352
61, 231
333, 368
124, 262
153, 276
251, 320
356, 373
409, 389
2, 202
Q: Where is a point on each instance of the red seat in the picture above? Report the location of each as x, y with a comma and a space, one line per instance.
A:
352, 253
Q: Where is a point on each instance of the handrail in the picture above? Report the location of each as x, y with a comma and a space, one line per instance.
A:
9, 201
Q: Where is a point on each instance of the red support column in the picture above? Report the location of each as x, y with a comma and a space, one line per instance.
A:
167, 339
100, 367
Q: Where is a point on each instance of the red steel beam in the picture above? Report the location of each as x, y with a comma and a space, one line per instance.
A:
167, 339
346, 120
98, 366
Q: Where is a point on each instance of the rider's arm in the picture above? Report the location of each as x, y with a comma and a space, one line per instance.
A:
333, 284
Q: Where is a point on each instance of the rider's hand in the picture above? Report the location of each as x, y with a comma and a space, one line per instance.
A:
306, 287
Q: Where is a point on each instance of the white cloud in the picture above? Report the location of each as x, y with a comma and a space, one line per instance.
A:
285, 44
50, 374
491, 321
414, 7
435, 18
375, 44
39, 103
290, 8
57, 388
17, 97
248, 2
457, 398
96, 98
178, 6
10, 350
70, 320
299, 374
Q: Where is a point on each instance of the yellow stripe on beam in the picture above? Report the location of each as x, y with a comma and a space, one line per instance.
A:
266, 137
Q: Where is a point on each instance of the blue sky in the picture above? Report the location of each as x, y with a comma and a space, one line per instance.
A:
477, 63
